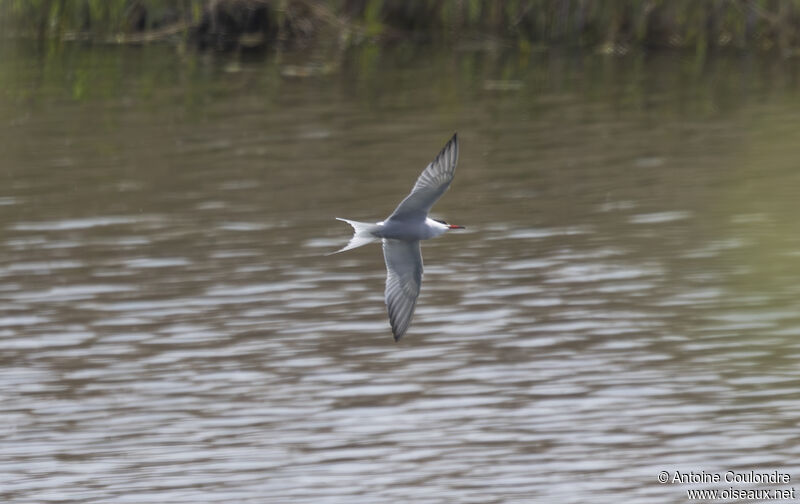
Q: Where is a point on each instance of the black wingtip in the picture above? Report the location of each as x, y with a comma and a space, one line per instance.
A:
451, 145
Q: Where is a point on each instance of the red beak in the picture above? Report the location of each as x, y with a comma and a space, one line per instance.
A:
454, 226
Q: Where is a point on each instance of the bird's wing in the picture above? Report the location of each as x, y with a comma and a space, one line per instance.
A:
431, 184
403, 280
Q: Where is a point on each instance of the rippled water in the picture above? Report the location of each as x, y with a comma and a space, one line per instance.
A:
623, 301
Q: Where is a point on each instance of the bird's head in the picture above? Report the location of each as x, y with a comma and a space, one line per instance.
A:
449, 226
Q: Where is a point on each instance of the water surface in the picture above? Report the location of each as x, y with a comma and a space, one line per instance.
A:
623, 301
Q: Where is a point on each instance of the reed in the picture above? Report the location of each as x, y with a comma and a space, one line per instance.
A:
609, 25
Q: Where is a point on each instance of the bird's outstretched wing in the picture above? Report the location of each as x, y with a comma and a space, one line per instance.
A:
403, 280
431, 184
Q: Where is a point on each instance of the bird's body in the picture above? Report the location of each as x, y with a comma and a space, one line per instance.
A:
401, 233
413, 230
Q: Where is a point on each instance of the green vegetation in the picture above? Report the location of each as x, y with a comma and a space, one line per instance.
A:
610, 26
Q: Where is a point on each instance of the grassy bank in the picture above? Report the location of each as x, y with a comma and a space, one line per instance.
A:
611, 25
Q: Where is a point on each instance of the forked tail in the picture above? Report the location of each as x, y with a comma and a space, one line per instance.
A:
362, 234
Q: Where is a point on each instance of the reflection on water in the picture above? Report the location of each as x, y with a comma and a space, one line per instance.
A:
623, 301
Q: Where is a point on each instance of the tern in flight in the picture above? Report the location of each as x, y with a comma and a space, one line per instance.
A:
401, 233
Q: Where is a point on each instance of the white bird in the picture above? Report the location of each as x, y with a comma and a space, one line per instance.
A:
401, 233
